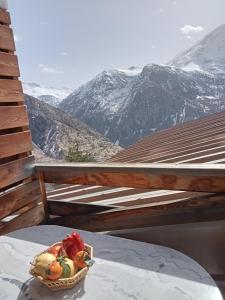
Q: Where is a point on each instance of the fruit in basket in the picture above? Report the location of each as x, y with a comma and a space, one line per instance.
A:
72, 244
56, 250
42, 263
82, 260
54, 271
69, 269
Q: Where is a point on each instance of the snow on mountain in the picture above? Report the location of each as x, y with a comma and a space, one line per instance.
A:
50, 95
126, 108
126, 105
206, 55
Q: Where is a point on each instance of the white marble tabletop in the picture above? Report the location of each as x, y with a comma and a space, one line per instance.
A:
123, 269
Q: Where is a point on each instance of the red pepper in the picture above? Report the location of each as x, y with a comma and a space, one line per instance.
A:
73, 244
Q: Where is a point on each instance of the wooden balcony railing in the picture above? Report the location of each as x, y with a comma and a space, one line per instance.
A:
206, 180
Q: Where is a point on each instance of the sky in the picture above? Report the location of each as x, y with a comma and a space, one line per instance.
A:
68, 42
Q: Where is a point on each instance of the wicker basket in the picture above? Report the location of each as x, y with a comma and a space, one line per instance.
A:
63, 283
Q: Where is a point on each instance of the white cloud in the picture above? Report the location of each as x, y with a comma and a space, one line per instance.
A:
63, 53
49, 70
189, 29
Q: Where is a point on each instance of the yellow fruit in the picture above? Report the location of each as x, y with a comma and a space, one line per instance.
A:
73, 269
42, 263
45, 258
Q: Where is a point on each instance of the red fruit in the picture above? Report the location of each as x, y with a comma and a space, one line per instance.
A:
55, 250
73, 244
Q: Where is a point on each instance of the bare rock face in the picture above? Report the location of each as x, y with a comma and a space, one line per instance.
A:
54, 132
126, 105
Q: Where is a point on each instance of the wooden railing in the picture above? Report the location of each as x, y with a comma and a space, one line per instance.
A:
208, 205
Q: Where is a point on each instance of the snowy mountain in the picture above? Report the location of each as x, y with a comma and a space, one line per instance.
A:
54, 132
207, 55
50, 95
126, 105
126, 108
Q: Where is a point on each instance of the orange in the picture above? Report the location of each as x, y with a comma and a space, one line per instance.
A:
54, 271
81, 259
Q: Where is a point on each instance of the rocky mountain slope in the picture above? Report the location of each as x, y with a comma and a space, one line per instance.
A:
50, 95
126, 105
207, 55
54, 132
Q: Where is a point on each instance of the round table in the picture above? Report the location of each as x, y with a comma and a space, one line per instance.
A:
123, 269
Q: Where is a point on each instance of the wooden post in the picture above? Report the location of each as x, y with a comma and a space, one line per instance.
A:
40, 176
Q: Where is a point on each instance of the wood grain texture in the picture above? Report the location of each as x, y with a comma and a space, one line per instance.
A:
15, 143
4, 17
40, 177
6, 38
16, 171
11, 91
76, 209
33, 216
21, 196
9, 65
188, 177
208, 208
13, 117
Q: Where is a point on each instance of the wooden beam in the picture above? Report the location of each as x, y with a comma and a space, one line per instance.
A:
189, 177
206, 208
6, 38
5, 17
15, 143
13, 117
9, 65
11, 91
15, 199
16, 171
43, 193
60, 208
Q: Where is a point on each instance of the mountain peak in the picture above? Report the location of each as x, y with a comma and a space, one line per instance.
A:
206, 55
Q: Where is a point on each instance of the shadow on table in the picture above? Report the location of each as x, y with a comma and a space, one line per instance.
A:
32, 289
150, 257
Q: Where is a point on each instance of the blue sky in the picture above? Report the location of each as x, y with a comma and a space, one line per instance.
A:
67, 42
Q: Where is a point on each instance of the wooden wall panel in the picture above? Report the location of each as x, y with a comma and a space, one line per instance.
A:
16, 171
11, 91
13, 117
33, 216
6, 38
9, 65
21, 196
4, 17
15, 143
19, 201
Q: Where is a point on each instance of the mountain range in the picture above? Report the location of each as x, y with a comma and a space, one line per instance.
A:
126, 105
54, 133
50, 95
